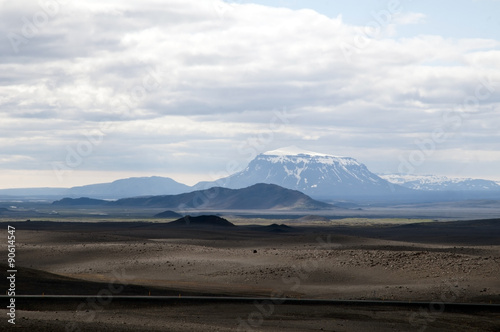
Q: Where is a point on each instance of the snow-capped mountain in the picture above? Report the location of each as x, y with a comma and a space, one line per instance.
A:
315, 174
441, 183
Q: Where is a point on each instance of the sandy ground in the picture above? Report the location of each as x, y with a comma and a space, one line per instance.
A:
312, 263
220, 317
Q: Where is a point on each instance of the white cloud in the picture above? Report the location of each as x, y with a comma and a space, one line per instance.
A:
174, 75
410, 18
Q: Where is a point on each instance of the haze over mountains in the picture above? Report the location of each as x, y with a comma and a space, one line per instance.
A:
320, 176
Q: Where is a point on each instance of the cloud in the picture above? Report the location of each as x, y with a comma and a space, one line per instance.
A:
410, 18
202, 78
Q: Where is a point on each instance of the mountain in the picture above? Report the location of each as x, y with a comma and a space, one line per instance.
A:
259, 196
318, 175
441, 183
168, 214
130, 187
201, 221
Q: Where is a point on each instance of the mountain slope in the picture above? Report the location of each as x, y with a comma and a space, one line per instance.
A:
315, 174
259, 196
130, 187
168, 214
441, 183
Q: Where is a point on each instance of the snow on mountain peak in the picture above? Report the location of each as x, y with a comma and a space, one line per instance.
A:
295, 155
295, 151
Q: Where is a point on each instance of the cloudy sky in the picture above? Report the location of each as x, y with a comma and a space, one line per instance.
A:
92, 91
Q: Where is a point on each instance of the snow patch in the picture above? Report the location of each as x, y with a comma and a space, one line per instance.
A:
296, 156
295, 151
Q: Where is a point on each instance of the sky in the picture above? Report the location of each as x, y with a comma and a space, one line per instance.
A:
94, 91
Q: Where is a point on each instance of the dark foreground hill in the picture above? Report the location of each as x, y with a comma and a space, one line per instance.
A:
260, 196
201, 221
168, 214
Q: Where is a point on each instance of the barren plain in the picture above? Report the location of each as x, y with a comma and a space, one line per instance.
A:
438, 262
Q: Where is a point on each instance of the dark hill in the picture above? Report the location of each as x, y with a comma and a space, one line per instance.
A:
168, 214
259, 196
275, 228
201, 221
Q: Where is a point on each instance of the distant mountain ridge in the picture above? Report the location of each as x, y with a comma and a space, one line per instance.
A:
318, 175
130, 187
256, 197
33, 192
441, 183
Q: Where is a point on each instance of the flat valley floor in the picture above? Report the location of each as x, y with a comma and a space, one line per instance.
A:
453, 262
